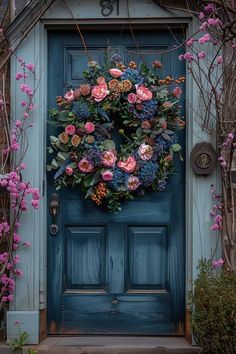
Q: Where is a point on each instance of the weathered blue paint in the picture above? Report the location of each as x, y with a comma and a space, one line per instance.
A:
124, 273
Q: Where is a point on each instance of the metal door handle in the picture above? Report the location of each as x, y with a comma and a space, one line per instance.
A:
54, 209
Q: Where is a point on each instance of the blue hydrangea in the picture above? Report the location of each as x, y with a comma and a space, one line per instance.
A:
118, 178
94, 155
162, 185
132, 75
147, 173
148, 111
115, 58
164, 143
81, 110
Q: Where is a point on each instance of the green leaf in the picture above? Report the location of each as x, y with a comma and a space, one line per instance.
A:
54, 163
88, 181
62, 155
176, 147
109, 144
89, 192
50, 150
62, 116
49, 168
54, 139
139, 132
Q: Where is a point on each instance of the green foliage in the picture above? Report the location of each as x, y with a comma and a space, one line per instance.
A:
213, 309
18, 343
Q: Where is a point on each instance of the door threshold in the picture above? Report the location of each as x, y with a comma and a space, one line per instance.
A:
96, 344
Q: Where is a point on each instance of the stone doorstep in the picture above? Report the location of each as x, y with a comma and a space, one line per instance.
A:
114, 345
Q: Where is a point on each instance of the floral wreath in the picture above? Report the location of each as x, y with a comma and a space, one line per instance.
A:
117, 103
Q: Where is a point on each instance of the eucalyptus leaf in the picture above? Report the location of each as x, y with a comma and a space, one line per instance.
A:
62, 155
176, 147
54, 163
170, 132
108, 144
54, 139
166, 136
89, 192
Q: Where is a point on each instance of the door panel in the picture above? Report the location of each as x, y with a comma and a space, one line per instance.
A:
115, 273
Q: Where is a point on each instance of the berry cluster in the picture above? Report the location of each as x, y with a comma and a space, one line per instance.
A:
99, 194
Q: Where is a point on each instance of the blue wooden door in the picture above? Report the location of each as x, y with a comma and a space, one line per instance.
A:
115, 273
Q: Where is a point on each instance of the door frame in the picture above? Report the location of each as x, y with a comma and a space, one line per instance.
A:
31, 307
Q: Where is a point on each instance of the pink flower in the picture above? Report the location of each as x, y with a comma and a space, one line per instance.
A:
177, 92
69, 96
201, 55
188, 56
108, 159
181, 57
89, 127
99, 92
201, 16
190, 42
27, 244
69, 171
30, 67
107, 175
145, 152
19, 76
204, 39
18, 272
115, 73
129, 165
219, 59
218, 219
18, 124
23, 103
10, 297
143, 93
133, 183
35, 203
209, 8
217, 263
132, 98
215, 227
70, 129
25, 115
85, 166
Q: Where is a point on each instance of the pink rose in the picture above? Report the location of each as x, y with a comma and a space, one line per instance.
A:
69, 96
145, 152
167, 105
69, 171
76, 93
132, 98
177, 92
128, 165
133, 183
89, 127
108, 159
143, 93
107, 175
99, 92
85, 166
115, 73
70, 129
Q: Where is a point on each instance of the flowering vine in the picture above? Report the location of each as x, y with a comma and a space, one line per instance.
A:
21, 194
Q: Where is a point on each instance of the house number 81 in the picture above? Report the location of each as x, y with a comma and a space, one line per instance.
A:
107, 7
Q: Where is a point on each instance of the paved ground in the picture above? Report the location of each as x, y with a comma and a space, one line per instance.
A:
111, 345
